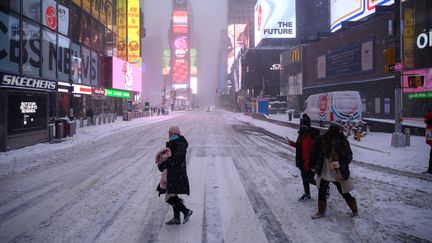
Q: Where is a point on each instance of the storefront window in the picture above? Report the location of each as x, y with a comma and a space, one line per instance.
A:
32, 10
75, 18
10, 42
31, 49
109, 43
95, 35
63, 57
63, 19
49, 50
49, 14
94, 71
85, 31
86, 60
26, 112
76, 64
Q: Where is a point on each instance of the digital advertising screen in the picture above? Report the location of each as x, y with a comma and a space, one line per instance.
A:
126, 76
275, 19
352, 10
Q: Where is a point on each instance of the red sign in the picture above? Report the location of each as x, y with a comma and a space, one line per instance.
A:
180, 29
51, 17
98, 91
181, 71
323, 104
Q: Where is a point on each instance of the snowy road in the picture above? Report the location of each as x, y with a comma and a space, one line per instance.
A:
244, 188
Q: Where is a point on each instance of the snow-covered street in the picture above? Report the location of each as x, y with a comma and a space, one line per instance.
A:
99, 186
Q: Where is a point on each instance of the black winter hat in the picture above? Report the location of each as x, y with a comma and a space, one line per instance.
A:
305, 120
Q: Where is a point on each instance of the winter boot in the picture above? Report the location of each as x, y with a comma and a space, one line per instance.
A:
187, 216
322, 205
352, 204
304, 198
176, 220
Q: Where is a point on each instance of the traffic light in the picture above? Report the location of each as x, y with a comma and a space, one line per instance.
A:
389, 54
415, 81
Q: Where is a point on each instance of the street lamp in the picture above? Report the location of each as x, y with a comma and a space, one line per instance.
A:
398, 138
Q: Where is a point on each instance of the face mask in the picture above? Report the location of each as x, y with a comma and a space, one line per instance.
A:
173, 137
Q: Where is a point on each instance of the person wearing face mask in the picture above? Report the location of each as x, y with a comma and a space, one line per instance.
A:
303, 145
177, 179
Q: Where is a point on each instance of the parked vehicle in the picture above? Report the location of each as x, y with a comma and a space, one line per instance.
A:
334, 106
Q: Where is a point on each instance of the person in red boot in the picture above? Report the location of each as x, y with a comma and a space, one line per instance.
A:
303, 145
428, 136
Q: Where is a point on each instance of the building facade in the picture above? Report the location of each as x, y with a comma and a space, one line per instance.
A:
53, 62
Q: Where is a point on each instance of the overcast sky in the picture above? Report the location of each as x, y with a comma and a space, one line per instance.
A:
209, 17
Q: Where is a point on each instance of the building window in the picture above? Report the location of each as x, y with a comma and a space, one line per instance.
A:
49, 57
74, 28
10, 43
63, 57
386, 105
32, 10
377, 105
31, 49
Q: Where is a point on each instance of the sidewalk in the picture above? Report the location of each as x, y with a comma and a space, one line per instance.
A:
374, 148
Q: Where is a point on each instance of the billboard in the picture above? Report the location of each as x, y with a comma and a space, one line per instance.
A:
133, 31
121, 24
166, 58
352, 10
275, 19
126, 76
179, 4
180, 22
236, 39
193, 61
180, 60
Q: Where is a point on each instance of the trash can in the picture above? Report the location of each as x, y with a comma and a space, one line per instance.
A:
59, 130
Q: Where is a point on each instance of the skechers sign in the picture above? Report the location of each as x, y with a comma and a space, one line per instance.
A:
275, 19
15, 81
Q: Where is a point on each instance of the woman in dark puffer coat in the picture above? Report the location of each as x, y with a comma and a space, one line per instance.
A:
177, 179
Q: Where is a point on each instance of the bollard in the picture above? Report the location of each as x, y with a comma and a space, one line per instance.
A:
113, 118
100, 120
81, 122
407, 137
104, 118
358, 134
109, 118
88, 121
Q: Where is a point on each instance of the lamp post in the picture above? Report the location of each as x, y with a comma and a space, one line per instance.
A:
398, 138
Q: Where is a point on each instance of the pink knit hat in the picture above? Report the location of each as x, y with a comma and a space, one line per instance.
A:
174, 130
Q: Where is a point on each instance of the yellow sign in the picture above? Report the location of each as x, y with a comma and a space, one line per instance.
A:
295, 55
409, 39
86, 5
133, 30
121, 29
77, 2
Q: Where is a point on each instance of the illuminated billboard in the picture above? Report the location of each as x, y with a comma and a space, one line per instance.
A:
193, 61
133, 32
236, 39
126, 76
352, 10
275, 19
180, 65
166, 59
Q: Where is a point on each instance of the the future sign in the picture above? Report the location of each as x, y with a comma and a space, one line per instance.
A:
275, 19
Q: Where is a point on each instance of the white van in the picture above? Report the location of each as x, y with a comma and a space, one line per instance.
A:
334, 106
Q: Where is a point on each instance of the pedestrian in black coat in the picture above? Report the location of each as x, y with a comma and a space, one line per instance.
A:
307, 136
331, 155
177, 179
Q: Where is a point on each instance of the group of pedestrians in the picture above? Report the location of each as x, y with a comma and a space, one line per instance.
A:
328, 157
322, 160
